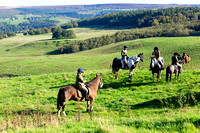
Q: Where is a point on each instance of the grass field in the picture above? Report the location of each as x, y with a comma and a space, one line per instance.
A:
28, 102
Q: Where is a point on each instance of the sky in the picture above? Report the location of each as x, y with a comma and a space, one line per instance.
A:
86, 2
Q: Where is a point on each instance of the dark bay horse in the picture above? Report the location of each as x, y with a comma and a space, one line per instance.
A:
68, 93
172, 69
132, 62
156, 69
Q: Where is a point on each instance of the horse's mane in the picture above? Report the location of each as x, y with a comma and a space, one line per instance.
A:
134, 56
92, 80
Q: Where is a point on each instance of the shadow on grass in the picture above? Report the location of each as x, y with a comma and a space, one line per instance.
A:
8, 75
190, 99
117, 85
55, 52
197, 123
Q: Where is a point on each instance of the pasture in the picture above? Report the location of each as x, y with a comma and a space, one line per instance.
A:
28, 97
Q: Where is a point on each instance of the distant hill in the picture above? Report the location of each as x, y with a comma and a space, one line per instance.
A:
87, 11
109, 6
145, 18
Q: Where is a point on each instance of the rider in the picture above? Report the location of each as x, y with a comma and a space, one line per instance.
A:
124, 55
80, 83
175, 61
156, 54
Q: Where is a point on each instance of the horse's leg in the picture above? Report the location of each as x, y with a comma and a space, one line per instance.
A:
91, 105
178, 75
131, 74
88, 106
170, 76
116, 75
63, 110
175, 75
59, 112
153, 77
160, 74
157, 75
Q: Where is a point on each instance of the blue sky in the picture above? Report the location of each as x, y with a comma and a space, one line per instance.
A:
81, 2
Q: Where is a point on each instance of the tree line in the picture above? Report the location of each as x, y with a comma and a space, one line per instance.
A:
167, 30
144, 18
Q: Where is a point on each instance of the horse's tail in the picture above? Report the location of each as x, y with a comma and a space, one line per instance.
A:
59, 99
113, 65
167, 74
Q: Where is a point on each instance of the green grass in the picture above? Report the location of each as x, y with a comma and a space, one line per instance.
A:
146, 112
120, 106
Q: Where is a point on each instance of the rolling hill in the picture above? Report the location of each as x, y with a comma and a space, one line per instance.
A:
28, 102
30, 78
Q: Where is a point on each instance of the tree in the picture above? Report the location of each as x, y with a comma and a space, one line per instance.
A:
63, 33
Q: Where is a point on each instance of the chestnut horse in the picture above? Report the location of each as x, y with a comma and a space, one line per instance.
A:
68, 93
187, 58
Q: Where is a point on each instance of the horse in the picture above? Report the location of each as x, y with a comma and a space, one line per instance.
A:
187, 58
132, 62
68, 93
172, 69
157, 69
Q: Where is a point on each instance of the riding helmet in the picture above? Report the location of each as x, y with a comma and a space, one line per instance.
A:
175, 53
80, 70
155, 48
125, 46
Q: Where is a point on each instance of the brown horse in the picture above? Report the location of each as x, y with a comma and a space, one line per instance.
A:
172, 69
68, 93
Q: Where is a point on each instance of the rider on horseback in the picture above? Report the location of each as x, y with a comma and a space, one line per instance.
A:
80, 83
156, 54
124, 55
175, 61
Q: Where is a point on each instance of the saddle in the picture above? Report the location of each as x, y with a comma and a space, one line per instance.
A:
176, 68
81, 93
123, 63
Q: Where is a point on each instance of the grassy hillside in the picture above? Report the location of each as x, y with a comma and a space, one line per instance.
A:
28, 103
96, 59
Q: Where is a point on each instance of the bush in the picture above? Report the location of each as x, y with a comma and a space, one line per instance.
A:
63, 33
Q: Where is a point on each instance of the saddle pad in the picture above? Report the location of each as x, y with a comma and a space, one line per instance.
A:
176, 68
81, 93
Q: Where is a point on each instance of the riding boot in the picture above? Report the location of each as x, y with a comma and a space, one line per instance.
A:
86, 96
151, 64
162, 68
179, 69
125, 65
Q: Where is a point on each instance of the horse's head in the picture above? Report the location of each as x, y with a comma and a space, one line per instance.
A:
141, 57
100, 83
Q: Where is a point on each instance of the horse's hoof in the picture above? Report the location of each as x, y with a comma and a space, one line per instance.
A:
64, 114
